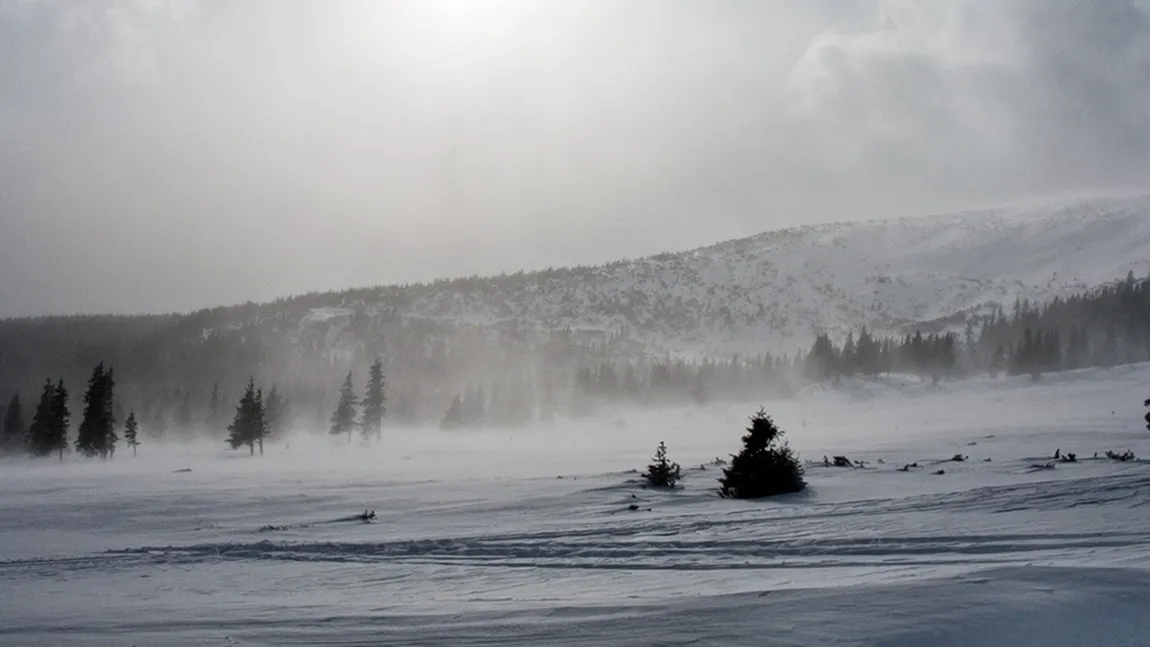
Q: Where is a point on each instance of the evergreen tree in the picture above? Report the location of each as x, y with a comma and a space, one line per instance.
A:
14, 429
131, 432
453, 419
39, 434
49, 430
374, 400
662, 472
97, 434
275, 412
60, 419
343, 419
214, 407
765, 466
248, 426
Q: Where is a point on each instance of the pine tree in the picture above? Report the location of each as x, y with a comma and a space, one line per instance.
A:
14, 429
765, 467
662, 472
374, 402
275, 412
97, 434
453, 419
214, 407
61, 418
248, 426
343, 419
40, 433
131, 432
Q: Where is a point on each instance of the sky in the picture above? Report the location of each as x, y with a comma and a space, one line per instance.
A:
170, 155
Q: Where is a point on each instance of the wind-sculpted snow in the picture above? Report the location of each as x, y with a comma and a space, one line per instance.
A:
494, 538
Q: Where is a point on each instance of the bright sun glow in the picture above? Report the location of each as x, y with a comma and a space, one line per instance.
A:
440, 32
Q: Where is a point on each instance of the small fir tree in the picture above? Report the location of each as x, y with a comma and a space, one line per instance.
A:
132, 432
374, 402
343, 419
662, 472
765, 466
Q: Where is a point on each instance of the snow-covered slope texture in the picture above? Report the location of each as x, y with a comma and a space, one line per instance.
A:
543, 536
778, 289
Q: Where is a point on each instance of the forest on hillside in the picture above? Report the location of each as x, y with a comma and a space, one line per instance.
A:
183, 376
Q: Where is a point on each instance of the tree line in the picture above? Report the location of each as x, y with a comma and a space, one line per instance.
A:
1103, 327
183, 373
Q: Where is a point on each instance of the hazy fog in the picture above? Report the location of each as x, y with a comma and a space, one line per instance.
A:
170, 155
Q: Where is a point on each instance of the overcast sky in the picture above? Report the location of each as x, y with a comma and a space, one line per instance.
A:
159, 156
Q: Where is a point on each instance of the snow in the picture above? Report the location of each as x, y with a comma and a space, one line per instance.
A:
777, 290
525, 537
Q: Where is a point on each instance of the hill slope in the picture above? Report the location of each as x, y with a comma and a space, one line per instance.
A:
776, 289
770, 292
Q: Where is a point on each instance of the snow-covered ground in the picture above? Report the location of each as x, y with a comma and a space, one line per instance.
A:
526, 537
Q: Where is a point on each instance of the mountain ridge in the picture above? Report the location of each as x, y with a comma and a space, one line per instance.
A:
778, 288
771, 291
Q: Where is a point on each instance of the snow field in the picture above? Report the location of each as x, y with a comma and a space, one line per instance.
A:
526, 536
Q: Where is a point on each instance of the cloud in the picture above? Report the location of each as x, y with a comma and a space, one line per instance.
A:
168, 155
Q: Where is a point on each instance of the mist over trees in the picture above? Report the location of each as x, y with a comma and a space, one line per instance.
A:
14, 427
179, 374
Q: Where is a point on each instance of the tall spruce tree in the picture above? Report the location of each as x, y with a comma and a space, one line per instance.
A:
765, 466
248, 427
97, 434
49, 430
132, 432
213, 419
61, 418
40, 433
13, 432
275, 413
343, 419
374, 402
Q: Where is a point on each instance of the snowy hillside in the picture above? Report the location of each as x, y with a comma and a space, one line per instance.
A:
527, 537
778, 289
